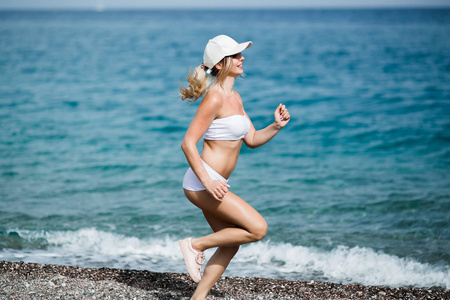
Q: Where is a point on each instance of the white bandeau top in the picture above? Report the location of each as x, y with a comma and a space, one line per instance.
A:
230, 128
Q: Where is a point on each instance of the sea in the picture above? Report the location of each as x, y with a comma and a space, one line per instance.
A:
355, 189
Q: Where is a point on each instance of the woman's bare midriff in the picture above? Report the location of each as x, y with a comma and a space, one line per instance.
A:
222, 156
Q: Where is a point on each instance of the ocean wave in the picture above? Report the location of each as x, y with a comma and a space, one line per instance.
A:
344, 265
90, 247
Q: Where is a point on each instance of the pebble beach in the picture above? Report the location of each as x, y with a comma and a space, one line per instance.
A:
19, 280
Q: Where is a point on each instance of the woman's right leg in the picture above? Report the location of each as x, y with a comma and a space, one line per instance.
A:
217, 263
246, 225
234, 223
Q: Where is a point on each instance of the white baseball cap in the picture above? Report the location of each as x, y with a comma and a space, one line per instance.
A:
221, 46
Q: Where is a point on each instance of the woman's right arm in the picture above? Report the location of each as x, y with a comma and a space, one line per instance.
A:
206, 113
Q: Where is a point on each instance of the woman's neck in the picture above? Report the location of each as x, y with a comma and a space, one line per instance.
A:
227, 85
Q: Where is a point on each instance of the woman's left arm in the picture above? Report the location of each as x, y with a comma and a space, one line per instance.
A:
258, 138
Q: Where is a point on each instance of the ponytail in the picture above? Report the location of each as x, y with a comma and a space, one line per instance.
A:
199, 81
198, 84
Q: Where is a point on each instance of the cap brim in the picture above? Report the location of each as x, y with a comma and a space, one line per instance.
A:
241, 47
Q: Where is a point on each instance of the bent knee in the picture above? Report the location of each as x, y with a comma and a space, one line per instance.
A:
259, 231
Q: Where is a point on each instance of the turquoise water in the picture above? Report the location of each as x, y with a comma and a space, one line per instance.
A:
355, 189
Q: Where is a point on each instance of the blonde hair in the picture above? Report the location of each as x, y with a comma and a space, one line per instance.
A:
199, 81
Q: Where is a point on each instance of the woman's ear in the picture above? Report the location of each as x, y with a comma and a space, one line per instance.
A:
219, 66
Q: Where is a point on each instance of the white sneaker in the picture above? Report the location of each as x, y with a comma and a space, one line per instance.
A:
194, 259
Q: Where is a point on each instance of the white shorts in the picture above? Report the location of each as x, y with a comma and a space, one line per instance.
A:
192, 183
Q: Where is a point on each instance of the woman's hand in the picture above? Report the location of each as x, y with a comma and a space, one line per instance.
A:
282, 116
217, 189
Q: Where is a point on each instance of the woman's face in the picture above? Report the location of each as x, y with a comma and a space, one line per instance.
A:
236, 68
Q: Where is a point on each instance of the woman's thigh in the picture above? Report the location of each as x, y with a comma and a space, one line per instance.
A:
231, 210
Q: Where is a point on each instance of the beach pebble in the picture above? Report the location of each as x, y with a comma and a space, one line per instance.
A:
32, 281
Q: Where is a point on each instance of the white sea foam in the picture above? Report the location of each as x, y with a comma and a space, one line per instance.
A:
94, 248
343, 265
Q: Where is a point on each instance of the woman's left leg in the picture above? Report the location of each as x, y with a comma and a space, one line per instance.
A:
217, 263
244, 223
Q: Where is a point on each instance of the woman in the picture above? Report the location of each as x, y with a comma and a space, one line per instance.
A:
224, 125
